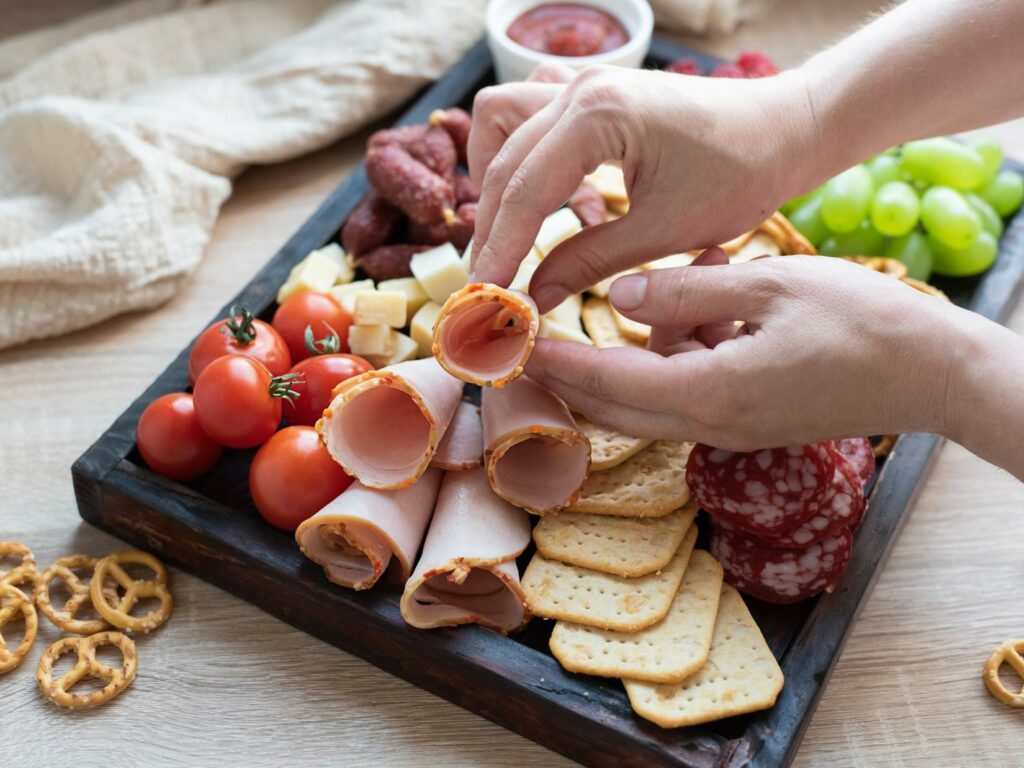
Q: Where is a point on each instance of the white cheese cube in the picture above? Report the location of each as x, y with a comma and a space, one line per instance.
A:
440, 271
380, 308
316, 272
367, 340
521, 282
346, 265
422, 327
346, 294
559, 226
568, 312
549, 329
415, 296
405, 349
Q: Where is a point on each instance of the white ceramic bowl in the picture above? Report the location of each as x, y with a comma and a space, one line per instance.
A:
515, 62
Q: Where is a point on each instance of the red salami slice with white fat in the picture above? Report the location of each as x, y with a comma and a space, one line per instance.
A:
781, 575
485, 334
462, 446
384, 426
764, 492
363, 531
467, 572
536, 456
859, 453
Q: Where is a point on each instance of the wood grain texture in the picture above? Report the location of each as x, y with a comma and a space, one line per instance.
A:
222, 681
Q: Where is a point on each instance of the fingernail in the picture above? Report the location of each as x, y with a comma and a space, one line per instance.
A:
628, 292
548, 296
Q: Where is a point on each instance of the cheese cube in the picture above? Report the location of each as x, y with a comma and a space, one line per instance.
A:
568, 312
405, 349
415, 296
440, 271
316, 272
559, 226
380, 308
549, 329
422, 327
346, 294
346, 265
369, 340
521, 282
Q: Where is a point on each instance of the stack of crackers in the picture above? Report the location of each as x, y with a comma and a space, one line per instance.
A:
634, 600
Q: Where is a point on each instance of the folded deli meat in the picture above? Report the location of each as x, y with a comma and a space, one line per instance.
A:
467, 572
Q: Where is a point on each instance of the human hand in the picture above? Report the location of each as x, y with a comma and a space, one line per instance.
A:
704, 160
829, 349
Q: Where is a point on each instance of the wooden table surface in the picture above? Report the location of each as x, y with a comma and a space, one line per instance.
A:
223, 681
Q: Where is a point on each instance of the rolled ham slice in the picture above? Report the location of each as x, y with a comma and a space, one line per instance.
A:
364, 531
384, 426
484, 334
536, 457
467, 572
462, 446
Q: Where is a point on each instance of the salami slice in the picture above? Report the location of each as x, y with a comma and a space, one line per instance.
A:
843, 508
859, 453
781, 575
765, 492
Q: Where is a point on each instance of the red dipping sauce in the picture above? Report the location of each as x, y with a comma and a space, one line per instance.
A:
568, 29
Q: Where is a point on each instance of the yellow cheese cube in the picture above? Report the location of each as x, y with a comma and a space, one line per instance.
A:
346, 265
405, 349
521, 282
568, 312
346, 294
369, 340
415, 296
316, 272
380, 308
549, 329
440, 271
559, 226
422, 327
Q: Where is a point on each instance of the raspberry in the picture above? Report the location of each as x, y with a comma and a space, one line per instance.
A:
757, 64
729, 70
684, 66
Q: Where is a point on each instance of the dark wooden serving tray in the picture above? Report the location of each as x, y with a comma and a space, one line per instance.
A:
210, 528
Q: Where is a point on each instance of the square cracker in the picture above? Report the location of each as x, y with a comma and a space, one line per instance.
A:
609, 448
599, 322
651, 483
570, 593
668, 652
625, 546
740, 675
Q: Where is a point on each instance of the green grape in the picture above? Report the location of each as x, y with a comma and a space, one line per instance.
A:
883, 169
863, 241
791, 205
948, 218
991, 154
991, 222
1004, 192
895, 209
944, 161
978, 256
912, 249
807, 219
846, 199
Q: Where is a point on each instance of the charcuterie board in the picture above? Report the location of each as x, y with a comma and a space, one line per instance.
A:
209, 527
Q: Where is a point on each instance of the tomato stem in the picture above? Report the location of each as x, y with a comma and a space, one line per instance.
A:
328, 345
241, 326
281, 386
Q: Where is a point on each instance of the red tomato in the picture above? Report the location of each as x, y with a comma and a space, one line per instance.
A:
318, 376
293, 477
171, 440
316, 310
240, 334
238, 402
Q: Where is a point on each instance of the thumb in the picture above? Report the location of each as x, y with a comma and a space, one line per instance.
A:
688, 296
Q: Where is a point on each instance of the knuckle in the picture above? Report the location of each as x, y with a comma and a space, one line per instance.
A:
486, 101
495, 174
517, 190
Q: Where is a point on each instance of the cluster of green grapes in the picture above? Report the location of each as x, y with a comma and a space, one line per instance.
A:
937, 205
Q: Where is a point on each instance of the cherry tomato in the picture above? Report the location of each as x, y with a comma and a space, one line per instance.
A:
171, 440
318, 376
238, 402
240, 334
314, 309
293, 477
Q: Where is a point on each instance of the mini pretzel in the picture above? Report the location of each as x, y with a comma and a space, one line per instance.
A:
26, 572
87, 664
12, 602
80, 596
117, 612
1009, 653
